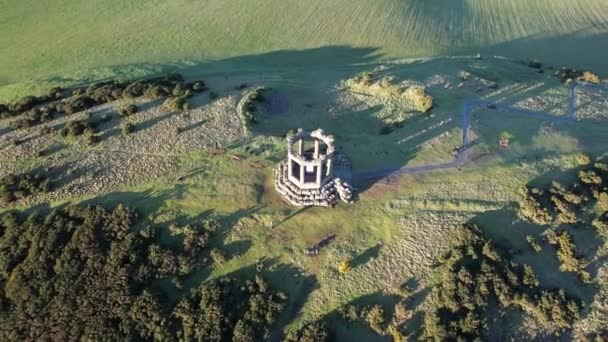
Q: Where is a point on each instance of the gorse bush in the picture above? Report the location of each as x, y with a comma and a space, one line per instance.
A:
75, 128
41, 109
127, 128
310, 332
18, 187
88, 273
128, 110
472, 273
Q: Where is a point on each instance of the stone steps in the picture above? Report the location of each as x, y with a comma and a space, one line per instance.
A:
328, 195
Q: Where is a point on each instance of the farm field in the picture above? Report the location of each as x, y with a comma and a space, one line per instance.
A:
172, 115
66, 39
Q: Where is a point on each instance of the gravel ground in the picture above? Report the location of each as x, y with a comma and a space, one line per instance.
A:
149, 153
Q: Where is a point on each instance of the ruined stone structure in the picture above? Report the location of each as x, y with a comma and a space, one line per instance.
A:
310, 176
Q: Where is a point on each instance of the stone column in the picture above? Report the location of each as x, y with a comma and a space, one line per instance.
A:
302, 174
301, 147
316, 148
319, 169
329, 166
289, 167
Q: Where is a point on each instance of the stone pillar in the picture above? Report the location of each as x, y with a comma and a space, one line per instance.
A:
316, 148
301, 147
319, 169
329, 166
302, 171
289, 167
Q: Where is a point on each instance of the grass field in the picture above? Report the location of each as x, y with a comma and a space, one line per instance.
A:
75, 38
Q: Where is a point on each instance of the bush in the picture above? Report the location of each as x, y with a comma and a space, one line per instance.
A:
18, 187
374, 316
311, 332
135, 89
217, 256
157, 91
590, 177
34, 117
419, 98
176, 103
24, 104
128, 110
78, 104
529, 277
55, 93
533, 244
127, 128
76, 127
469, 279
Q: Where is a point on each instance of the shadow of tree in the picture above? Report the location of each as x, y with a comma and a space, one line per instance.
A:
363, 258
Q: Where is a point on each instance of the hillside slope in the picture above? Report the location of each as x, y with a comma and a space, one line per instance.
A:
42, 38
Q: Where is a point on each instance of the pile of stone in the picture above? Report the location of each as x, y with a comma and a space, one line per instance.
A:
326, 196
344, 190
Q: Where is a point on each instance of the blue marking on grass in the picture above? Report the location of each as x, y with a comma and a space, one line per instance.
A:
467, 107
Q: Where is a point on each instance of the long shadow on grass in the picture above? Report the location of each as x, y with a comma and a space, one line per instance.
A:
365, 257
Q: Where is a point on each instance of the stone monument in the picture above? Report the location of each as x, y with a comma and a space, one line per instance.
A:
310, 176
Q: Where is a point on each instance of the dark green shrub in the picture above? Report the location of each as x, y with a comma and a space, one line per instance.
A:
310, 332
135, 89
24, 104
76, 127
18, 187
157, 91
33, 117
176, 103
55, 93
217, 256
127, 128
128, 110
78, 104
374, 316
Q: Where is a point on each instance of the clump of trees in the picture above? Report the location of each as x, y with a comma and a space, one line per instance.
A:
229, 310
567, 254
580, 204
28, 103
40, 109
310, 332
83, 127
91, 273
565, 204
475, 273
14, 187
566, 75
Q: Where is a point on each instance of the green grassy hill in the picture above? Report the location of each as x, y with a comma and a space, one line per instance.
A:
67, 37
